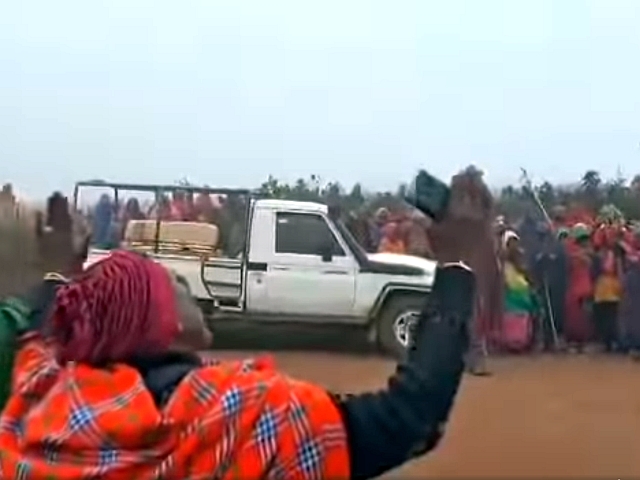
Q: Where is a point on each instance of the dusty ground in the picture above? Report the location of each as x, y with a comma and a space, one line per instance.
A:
556, 417
564, 416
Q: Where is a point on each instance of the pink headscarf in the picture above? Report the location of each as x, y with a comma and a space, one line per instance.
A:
121, 306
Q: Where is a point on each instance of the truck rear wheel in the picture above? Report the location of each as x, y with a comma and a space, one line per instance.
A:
393, 323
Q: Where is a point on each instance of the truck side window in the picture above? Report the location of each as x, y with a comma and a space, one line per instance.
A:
304, 234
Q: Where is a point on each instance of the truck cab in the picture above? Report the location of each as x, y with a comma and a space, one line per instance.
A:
298, 263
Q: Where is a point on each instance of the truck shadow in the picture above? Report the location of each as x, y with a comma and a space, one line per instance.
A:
291, 337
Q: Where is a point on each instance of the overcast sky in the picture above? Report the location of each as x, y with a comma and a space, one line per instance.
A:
226, 92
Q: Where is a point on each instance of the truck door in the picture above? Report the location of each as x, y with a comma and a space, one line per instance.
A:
310, 271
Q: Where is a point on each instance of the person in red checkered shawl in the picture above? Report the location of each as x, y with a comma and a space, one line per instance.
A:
106, 383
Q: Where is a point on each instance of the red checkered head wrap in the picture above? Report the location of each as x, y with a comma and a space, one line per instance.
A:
121, 306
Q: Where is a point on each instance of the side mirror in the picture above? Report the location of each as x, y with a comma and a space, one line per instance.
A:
326, 252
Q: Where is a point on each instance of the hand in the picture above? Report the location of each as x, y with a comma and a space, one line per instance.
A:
465, 233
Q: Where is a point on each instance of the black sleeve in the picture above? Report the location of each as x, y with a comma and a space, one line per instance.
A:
406, 420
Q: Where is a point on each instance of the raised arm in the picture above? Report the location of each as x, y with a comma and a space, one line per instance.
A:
388, 428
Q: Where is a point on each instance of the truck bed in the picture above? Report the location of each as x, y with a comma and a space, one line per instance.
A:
223, 276
217, 278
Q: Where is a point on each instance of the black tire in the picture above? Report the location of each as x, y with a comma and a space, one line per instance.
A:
397, 306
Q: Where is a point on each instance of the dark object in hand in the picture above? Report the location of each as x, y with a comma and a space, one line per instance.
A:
429, 195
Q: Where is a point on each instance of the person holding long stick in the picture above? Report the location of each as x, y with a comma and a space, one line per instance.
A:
552, 271
553, 320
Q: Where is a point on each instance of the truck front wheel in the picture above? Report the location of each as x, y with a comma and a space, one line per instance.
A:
394, 321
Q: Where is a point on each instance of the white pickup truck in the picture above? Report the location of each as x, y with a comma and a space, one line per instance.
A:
301, 265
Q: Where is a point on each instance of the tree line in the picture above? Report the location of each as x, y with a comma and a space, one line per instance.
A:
591, 192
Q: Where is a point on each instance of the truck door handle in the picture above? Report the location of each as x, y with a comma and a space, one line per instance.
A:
335, 272
280, 269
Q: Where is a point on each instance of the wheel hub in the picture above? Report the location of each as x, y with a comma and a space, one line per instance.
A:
402, 327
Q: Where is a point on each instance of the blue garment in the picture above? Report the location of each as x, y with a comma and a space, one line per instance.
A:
629, 309
102, 219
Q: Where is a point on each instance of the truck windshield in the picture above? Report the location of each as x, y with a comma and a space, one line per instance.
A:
174, 219
358, 252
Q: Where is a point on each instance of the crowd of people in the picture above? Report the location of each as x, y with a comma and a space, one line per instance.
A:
109, 219
569, 282
403, 231
593, 270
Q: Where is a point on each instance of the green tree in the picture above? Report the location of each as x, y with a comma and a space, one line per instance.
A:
512, 201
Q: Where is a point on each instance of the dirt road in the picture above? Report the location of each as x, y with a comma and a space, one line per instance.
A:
536, 417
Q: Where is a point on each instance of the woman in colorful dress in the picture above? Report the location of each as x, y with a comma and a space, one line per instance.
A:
519, 304
179, 206
607, 275
392, 241
416, 237
578, 328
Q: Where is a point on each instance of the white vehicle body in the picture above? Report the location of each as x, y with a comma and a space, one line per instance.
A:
326, 278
